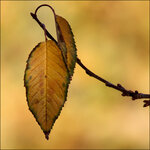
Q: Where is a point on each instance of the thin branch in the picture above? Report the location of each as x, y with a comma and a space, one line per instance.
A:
135, 95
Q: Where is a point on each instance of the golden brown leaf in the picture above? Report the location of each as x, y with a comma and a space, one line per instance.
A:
46, 81
66, 42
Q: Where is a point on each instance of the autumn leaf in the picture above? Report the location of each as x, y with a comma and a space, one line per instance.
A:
66, 42
46, 80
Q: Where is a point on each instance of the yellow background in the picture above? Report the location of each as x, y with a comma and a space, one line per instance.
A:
112, 40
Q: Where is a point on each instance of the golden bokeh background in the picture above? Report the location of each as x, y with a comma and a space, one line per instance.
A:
112, 39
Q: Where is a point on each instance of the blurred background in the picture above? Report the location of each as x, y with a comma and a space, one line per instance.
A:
112, 39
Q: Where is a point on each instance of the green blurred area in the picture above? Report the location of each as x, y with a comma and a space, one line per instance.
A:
112, 39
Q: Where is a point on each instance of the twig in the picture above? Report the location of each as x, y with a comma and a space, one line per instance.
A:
135, 95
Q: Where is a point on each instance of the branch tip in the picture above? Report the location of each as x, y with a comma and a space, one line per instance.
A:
147, 103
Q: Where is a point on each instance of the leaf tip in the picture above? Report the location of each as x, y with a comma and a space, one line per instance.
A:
46, 135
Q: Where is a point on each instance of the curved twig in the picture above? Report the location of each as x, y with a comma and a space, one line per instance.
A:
42, 6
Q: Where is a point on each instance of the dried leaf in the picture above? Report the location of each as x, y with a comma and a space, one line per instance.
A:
46, 80
66, 42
